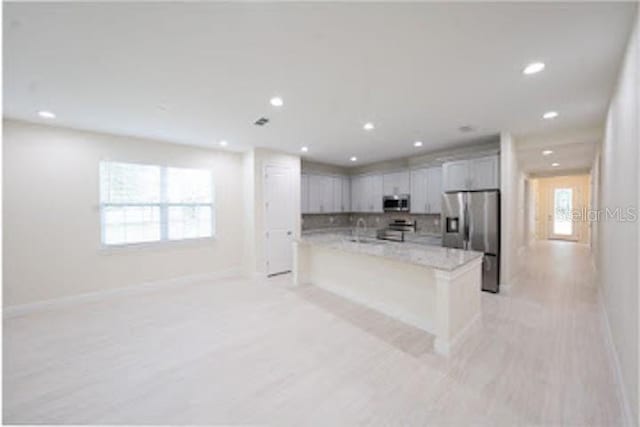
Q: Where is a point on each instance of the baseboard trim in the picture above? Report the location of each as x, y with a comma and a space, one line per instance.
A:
452, 346
24, 309
613, 356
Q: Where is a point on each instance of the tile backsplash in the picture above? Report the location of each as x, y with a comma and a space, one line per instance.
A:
425, 223
320, 221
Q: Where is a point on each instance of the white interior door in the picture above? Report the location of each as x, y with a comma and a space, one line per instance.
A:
279, 220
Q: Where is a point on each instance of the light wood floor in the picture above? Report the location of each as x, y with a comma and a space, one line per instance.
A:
241, 351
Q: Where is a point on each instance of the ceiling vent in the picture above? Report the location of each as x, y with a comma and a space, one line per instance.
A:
261, 121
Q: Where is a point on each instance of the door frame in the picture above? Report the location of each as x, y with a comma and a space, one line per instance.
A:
265, 241
573, 237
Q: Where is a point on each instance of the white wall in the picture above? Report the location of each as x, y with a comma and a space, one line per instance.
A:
617, 241
52, 225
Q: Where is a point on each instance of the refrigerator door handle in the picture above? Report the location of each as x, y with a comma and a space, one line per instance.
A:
467, 242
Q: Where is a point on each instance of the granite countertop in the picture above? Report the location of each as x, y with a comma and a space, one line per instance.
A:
426, 255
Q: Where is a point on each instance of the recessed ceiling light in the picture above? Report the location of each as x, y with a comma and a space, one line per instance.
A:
547, 152
555, 165
550, 115
353, 159
223, 143
417, 144
534, 67
46, 114
304, 149
276, 101
368, 126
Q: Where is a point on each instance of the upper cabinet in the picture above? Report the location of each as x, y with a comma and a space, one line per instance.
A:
304, 194
346, 194
366, 193
426, 190
395, 183
485, 173
341, 192
324, 194
473, 174
434, 190
425, 185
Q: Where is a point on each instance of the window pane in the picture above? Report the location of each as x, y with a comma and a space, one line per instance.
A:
131, 224
129, 183
189, 186
187, 222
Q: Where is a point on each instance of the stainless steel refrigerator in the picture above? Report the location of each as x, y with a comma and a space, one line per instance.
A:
471, 221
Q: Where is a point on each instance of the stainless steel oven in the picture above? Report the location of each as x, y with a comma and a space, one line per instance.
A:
396, 203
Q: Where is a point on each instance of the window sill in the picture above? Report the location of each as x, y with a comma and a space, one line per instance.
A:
158, 245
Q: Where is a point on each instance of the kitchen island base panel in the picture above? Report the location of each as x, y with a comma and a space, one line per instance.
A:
443, 303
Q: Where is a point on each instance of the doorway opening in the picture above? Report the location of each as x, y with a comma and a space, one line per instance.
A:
560, 204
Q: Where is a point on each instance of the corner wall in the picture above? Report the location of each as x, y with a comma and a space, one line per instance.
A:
617, 254
512, 211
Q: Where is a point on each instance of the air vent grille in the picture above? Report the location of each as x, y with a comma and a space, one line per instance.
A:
261, 121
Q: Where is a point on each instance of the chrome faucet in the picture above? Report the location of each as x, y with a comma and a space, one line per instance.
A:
364, 226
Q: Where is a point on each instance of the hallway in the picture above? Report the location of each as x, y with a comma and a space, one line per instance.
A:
250, 351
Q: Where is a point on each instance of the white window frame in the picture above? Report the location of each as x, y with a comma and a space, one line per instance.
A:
163, 206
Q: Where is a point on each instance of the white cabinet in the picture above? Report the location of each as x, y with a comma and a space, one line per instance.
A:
341, 191
456, 175
357, 194
434, 190
418, 201
366, 193
336, 182
304, 194
320, 194
426, 190
375, 193
396, 183
485, 173
346, 194
473, 174
325, 194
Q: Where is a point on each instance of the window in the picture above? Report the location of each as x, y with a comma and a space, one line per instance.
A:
149, 203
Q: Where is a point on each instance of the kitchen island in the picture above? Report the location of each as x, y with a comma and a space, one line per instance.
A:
430, 287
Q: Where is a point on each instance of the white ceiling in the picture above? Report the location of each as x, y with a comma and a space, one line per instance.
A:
573, 150
196, 73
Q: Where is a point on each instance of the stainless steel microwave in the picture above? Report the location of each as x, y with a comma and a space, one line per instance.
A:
396, 203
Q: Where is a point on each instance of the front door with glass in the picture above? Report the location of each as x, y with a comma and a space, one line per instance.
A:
561, 217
